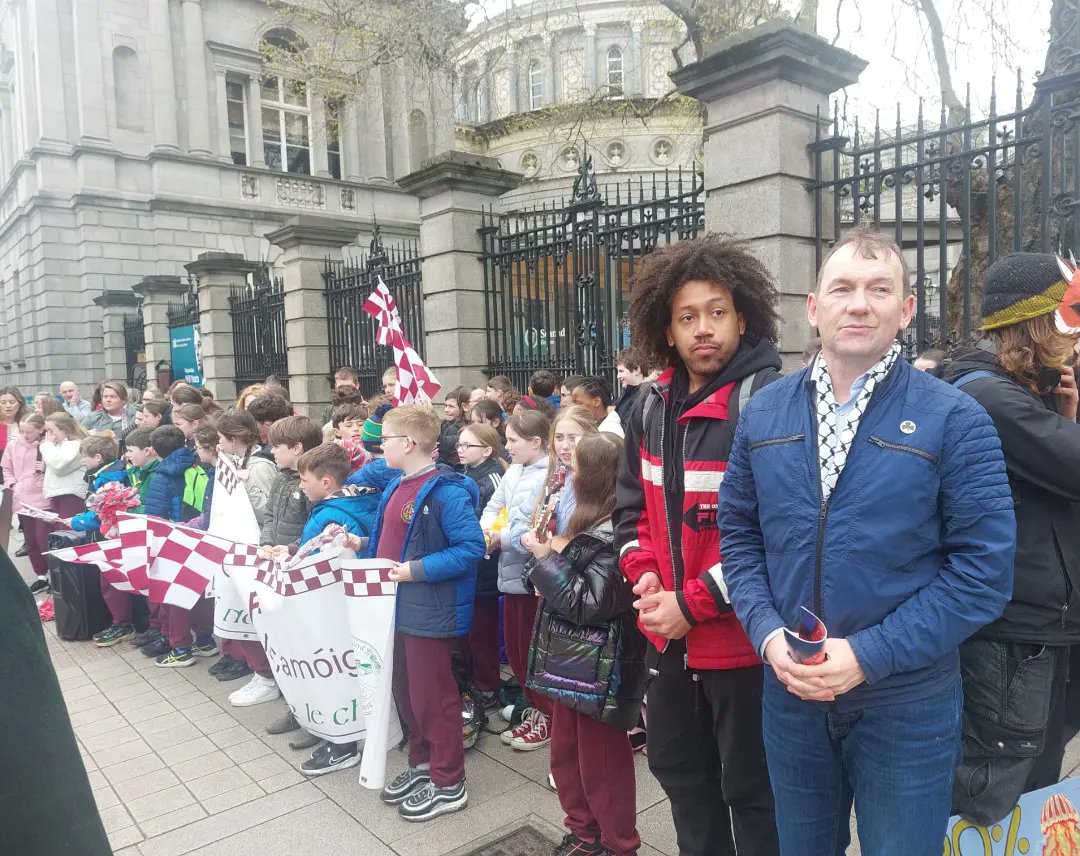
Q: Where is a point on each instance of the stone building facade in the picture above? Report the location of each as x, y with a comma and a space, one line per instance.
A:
544, 83
137, 134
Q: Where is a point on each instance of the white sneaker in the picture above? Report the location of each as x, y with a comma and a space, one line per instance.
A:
255, 691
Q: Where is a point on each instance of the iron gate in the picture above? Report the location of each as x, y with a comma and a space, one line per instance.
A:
257, 311
135, 349
958, 195
557, 279
351, 331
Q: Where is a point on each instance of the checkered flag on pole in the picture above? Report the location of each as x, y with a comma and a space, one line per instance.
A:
415, 381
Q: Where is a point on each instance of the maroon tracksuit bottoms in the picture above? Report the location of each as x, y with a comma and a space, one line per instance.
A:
593, 766
427, 699
519, 615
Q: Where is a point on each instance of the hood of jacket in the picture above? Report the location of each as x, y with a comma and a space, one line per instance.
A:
176, 462
376, 474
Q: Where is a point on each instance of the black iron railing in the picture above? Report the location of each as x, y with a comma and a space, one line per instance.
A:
135, 349
351, 331
957, 195
258, 324
557, 279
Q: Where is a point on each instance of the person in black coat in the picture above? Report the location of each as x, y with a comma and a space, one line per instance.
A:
1015, 669
632, 369
49, 805
480, 450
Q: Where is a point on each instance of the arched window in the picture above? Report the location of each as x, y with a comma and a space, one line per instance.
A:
127, 85
615, 70
418, 139
536, 86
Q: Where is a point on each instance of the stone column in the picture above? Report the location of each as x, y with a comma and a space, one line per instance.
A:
454, 188
25, 98
162, 78
762, 90
590, 58
306, 241
217, 274
634, 83
394, 95
512, 78
221, 106
373, 121
198, 101
114, 306
7, 134
254, 117
90, 76
48, 74
157, 293
350, 140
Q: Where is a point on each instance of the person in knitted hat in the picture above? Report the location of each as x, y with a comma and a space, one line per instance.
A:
1020, 372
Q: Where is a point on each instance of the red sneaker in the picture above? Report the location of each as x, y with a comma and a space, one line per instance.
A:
511, 734
536, 737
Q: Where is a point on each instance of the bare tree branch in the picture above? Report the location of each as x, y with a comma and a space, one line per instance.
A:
958, 113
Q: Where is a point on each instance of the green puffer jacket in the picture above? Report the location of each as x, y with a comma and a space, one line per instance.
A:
587, 651
287, 510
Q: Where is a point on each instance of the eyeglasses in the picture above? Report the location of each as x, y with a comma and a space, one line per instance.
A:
395, 436
471, 446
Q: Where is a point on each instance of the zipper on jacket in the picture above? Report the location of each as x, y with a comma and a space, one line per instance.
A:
1065, 575
776, 441
900, 447
667, 511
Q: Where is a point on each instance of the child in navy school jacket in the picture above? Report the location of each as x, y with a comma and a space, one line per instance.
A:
427, 525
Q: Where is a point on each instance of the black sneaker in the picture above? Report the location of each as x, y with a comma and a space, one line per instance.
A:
233, 670
177, 658
113, 635
429, 801
404, 784
40, 584
145, 637
204, 646
485, 700
221, 664
21, 552
155, 648
571, 845
330, 757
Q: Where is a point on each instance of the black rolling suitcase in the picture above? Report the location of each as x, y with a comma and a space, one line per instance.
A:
77, 602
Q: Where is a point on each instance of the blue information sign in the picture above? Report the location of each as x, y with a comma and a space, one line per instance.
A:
186, 354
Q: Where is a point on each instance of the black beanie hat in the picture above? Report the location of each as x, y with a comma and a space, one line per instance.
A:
1020, 286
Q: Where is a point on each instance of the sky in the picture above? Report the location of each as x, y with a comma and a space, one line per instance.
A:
891, 36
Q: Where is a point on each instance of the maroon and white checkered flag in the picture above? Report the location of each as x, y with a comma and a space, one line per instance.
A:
367, 578
415, 381
315, 571
226, 478
183, 561
381, 306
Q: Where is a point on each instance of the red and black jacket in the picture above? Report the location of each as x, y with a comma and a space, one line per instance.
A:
667, 496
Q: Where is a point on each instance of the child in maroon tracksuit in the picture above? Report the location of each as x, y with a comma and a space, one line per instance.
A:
427, 525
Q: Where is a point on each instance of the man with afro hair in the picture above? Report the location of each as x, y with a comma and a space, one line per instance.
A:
704, 312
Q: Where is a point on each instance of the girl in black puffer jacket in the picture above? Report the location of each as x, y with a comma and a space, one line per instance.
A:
588, 656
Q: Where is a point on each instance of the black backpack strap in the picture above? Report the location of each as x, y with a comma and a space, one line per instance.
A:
978, 374
742, 392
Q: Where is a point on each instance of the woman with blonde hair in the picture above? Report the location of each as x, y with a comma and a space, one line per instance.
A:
249, 394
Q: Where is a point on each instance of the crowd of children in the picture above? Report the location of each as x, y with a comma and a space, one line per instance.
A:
497, 520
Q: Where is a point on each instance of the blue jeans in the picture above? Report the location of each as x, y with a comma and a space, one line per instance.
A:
896, 761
